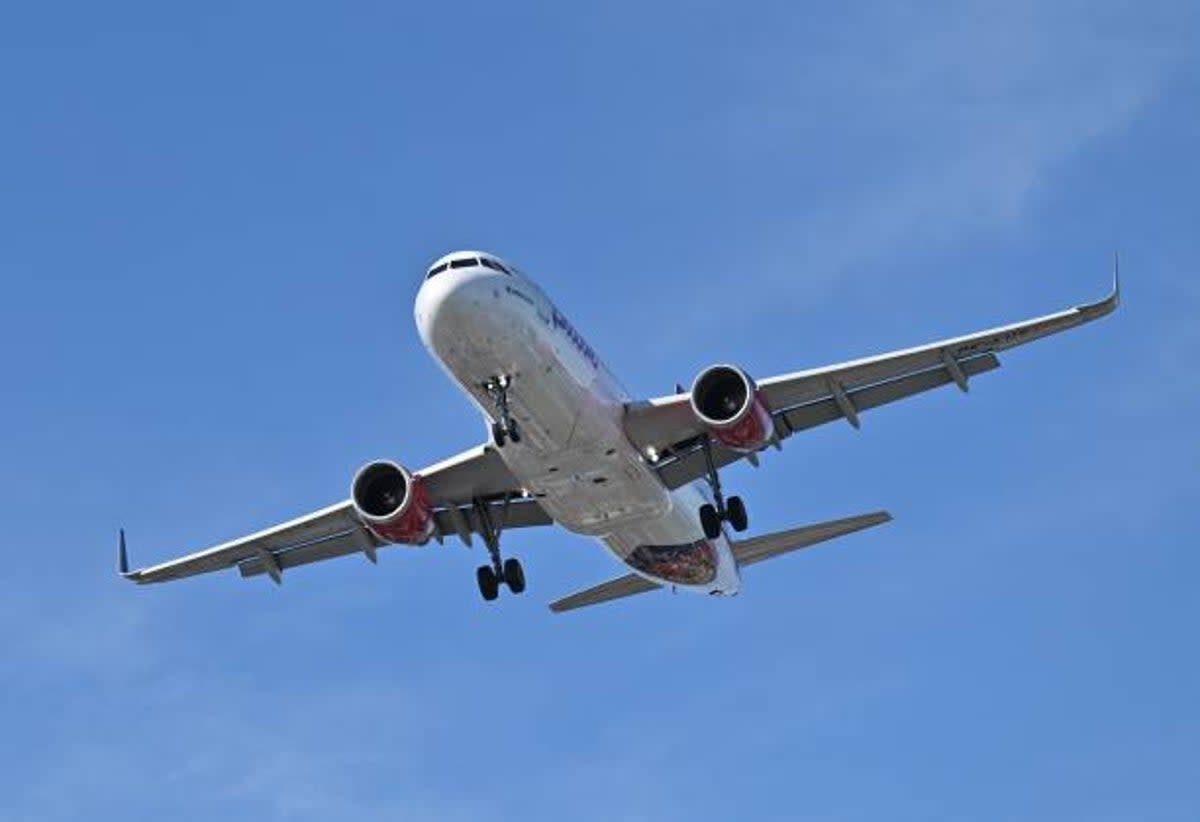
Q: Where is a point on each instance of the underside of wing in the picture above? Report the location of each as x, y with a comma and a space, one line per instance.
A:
671, 434
471, 493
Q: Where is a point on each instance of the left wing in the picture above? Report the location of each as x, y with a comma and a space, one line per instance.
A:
464, 489
667, 428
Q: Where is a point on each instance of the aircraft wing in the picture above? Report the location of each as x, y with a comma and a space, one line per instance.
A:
458, 487
667, 428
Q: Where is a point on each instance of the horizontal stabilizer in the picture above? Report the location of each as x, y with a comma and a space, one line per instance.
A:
746, 553
769, 546
625, 586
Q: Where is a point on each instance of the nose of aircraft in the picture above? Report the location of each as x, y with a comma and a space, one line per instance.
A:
451, 306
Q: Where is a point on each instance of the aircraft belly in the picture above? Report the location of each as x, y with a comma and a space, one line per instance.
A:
573, 454
671, 549
591, 489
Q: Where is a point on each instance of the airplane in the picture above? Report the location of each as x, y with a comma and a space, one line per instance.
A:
568, 446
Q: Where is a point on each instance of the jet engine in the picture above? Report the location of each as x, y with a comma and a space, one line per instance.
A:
727, 401
392, 503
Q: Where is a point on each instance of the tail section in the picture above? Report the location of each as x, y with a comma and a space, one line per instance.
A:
746, 552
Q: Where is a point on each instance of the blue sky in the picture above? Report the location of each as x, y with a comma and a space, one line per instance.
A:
214, 221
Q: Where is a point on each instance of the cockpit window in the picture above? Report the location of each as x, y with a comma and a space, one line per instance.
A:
467, 262
492, 264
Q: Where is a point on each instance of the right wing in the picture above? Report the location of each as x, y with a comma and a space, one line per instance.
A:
460, 488
746, 552
667, 427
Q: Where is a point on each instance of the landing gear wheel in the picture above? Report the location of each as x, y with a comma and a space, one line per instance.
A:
514, 433
732, 510
514, 575
710, 521
735, 512
489, 586
498, 434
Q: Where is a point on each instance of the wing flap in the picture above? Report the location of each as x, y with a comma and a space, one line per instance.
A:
340, 545
873, 396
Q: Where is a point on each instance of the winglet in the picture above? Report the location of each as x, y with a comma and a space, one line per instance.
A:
122, 556
123, 560
1116, 292
1109, 304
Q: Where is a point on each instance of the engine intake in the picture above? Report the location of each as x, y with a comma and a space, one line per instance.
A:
728, 403
392, 503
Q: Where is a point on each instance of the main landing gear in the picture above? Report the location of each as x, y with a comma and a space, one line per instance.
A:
505, 428
732, 510
506, 571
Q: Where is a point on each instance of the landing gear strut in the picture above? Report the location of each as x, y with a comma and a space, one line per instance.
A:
506, 571
732, 510
505, 428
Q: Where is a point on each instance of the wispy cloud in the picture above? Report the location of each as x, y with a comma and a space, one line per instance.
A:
943, 123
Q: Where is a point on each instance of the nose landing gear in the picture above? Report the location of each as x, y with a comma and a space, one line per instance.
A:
721, 510
505, 428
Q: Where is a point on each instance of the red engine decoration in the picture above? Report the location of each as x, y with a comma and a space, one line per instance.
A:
392, 503
729, 404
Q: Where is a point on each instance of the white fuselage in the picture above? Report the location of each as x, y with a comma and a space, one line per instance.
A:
573, 455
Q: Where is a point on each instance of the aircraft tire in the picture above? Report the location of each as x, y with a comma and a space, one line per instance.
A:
514, 575
489, 586
710, 521
736, 511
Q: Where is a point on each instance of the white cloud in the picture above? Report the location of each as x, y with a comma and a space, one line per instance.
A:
936, 125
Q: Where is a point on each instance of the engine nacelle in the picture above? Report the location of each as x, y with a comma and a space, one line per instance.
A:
392, 503
727, 401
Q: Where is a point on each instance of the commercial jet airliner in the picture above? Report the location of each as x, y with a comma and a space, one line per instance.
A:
568, 446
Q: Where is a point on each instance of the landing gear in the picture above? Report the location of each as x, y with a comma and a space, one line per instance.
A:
511, 574
735, 511
505, 428
514, 575
732, 510
489, 586
501, 571
710, 521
